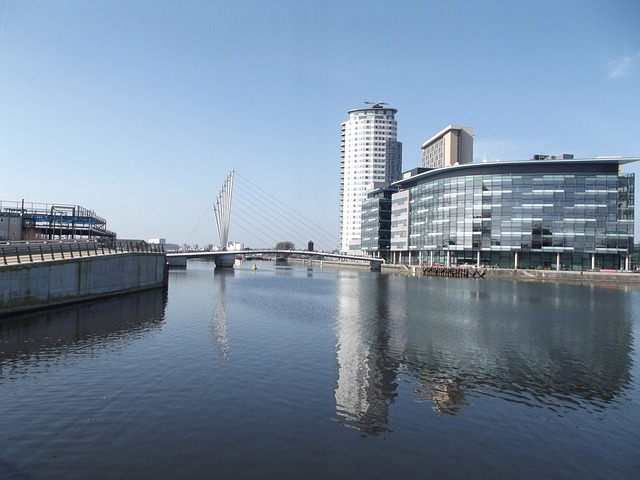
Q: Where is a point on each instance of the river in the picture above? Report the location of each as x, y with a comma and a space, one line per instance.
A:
298, 372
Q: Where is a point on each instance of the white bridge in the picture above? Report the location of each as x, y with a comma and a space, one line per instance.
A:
226, 258
180, 259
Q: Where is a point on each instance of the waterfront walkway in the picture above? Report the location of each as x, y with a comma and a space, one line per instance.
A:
45, 274
16, 253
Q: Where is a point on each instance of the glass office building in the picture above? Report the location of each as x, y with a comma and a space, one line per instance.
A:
376, 223
565, 214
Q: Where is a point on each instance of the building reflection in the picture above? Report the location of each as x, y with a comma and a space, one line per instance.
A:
561, 347
553, 346
446, 394
367, 354
100, 324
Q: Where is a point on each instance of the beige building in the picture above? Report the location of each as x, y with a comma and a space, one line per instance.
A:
451, 146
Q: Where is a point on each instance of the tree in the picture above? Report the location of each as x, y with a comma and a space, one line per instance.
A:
285, 246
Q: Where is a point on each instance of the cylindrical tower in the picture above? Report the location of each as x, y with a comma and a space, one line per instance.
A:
370, 157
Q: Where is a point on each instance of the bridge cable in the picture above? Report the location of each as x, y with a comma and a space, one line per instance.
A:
251, 231
253, 219
269, 214
318, 231
315, 229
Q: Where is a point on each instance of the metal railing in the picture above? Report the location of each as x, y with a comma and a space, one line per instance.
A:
12, 253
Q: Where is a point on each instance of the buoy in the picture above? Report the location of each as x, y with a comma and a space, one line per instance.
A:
255, 267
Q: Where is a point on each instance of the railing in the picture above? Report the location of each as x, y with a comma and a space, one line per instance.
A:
27, 252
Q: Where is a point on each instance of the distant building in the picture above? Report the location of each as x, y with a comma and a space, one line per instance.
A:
371, 158
569, 214
168, 247
450, 146
235, 246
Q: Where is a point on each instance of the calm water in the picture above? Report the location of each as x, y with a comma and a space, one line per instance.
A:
288, 372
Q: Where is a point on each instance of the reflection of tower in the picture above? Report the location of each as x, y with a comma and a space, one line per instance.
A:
219, 321
368, 354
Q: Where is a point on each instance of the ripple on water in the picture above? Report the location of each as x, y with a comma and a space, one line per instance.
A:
351, 373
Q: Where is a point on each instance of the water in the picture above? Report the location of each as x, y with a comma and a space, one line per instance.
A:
291, 372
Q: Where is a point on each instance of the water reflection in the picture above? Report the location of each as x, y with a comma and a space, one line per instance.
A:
219, 321
46, 336
367, 353
553, 346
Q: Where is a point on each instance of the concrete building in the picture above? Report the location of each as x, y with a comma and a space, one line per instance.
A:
10, 226
370, 158
561, 214
450, 146
167, 247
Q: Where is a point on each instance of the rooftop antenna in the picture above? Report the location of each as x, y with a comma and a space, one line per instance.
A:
376, 104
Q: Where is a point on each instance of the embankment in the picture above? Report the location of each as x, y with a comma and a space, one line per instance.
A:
37, 285
610, 277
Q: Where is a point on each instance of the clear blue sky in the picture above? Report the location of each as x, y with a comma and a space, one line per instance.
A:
139, 109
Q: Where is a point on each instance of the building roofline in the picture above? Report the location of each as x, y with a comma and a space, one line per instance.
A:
479, 165
377, 109
441, 133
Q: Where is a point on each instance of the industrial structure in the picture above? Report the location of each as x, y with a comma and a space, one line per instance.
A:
370, 158
40, 221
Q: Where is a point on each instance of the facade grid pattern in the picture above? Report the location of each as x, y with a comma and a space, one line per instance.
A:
570, 215
376, 223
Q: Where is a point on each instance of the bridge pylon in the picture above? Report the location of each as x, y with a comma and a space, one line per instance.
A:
222, 210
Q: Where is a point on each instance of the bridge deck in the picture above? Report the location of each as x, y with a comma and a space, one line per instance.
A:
306, 253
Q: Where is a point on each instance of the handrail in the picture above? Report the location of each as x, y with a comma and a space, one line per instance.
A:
26, 252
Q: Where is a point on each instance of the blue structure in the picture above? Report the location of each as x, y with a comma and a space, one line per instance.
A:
40, 221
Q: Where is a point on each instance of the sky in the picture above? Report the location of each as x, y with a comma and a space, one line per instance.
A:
139, 110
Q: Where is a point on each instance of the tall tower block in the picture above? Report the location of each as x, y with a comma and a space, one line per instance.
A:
370, 158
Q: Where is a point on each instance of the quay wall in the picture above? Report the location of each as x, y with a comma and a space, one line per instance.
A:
565, 276
535, 275
37, 285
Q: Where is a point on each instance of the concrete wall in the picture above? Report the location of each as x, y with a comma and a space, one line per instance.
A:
587, 276
42, 284
533, 275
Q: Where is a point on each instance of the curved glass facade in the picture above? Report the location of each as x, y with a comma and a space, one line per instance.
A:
571, 215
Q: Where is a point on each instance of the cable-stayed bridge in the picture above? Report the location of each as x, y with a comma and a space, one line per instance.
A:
251, 212
263, 216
